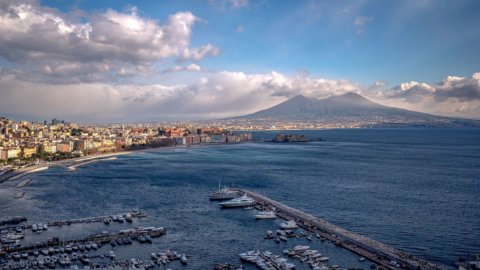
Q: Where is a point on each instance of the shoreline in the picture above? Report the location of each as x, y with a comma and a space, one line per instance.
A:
19, 173
80, 161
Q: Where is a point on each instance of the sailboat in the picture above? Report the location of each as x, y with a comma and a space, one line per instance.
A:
223, 194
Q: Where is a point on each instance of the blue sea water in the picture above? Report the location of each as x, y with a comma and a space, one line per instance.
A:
415, 189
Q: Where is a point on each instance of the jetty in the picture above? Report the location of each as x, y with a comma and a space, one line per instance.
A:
383, 255
17, 174
75, 166
105, 219
103, 238
12, 220
24, 183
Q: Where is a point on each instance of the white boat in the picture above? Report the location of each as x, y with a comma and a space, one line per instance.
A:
323, 259
265, 215
250, 256
301, 248
14, 236
183, 259
238, 202
289, 225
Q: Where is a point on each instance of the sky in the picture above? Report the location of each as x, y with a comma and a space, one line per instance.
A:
131, 61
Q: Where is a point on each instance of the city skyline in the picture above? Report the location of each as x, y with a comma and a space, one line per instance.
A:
120, 61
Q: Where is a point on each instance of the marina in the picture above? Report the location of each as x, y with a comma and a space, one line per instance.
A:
382, 255
128, 216
67, 252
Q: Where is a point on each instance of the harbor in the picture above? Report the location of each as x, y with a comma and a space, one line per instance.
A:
382, 255
67, 252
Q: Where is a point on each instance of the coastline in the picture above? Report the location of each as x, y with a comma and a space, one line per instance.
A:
73, 163
19, 173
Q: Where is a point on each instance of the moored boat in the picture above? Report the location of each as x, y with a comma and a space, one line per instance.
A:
289, 225
265, 215
242, 201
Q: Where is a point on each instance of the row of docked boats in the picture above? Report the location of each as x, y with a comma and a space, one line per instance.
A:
266, 260
168, 256
121, 218
52, 261
313, 258
39, 227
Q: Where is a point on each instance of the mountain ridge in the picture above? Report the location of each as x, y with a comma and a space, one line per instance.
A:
350, 104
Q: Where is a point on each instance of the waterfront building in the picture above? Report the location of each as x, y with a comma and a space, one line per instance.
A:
49, 148
13, 152
28, 151
65, 147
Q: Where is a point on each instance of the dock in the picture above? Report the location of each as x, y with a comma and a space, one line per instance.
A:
102, 239
16, 220
381, 254
17, 174
24, 183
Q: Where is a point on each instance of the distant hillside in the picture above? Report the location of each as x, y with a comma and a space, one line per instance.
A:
348, 106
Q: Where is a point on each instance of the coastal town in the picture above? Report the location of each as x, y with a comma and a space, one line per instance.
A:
23, 143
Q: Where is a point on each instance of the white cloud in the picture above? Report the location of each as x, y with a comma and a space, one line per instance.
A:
239, 3
240, 29
453, 96
361, 20
213, 95
191, 67
229, 3
219, 94
51, 42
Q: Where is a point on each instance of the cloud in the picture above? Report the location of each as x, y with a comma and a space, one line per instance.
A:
240, 29
42, 40
229, 3
191, 67
454, 96
361, 20
219, 94
213, 95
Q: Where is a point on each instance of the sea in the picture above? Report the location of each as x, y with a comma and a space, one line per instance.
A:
414, 189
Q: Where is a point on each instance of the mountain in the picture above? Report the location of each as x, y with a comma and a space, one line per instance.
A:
347, 107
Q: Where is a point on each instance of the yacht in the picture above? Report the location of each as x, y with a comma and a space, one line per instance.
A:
300, 248
238, 202
289, 225
265, 215
250, 256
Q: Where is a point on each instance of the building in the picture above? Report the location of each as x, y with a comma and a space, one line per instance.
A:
80, 145
65, 147
192, 139
49, 148
13, 152
28, 151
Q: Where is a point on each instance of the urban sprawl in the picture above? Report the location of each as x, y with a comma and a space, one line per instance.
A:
23, 143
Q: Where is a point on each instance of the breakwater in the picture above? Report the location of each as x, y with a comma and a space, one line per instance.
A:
382, 254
